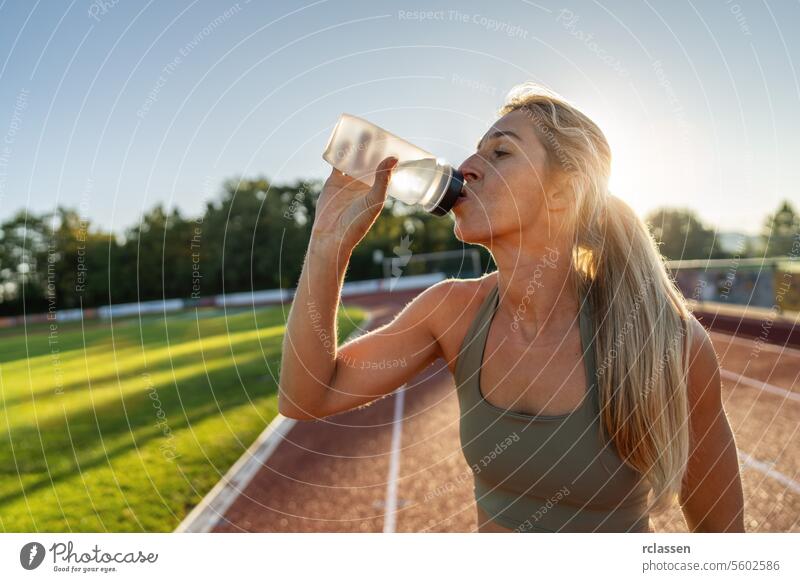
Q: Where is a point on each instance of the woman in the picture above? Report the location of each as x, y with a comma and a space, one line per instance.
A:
590, 396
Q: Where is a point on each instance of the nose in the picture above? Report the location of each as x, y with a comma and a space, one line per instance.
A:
470, 169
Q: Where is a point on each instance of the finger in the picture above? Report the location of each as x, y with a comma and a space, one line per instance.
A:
390, 162
377, 194
384, 171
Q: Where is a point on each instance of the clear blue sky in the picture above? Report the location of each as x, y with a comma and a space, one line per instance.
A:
115, 105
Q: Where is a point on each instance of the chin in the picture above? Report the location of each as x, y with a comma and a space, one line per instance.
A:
468, 234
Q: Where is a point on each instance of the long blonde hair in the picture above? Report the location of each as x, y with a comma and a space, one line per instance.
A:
640, 317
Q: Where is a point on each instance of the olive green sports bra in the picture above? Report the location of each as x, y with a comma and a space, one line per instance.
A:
539, 473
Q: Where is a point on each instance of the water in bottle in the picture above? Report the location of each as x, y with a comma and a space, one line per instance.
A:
356, 147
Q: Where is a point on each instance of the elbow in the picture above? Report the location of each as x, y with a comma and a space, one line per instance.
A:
291, 409
305, 401
295, 413
713, 520
288, 409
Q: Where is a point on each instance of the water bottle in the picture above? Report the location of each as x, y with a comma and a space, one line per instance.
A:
356, 147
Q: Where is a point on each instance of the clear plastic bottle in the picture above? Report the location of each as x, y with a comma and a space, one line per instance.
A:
356, 147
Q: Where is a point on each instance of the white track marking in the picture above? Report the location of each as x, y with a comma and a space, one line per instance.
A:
213, 506
759, 385
766, 469
390, 517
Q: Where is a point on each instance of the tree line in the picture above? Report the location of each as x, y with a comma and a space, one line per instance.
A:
253, 236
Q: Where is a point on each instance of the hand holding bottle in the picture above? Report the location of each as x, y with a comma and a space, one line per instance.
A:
356, 146
347, 208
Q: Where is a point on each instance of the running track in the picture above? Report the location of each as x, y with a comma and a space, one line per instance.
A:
396, 465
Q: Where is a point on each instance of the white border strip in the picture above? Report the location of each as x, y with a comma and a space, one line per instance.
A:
213, 506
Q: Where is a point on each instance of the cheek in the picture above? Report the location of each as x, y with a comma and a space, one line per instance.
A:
511, 194
519, 190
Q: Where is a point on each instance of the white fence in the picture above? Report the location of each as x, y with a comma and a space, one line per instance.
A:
244, 299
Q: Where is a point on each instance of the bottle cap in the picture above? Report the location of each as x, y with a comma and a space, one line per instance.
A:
450, 194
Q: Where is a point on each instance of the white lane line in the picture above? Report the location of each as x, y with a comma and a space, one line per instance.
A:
762, 346
390, 517
759, 385
207, 514
766, 469
213, 506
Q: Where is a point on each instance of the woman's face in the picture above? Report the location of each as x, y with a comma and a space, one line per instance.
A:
506, 184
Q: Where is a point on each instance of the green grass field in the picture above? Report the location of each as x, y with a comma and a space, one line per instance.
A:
126, 428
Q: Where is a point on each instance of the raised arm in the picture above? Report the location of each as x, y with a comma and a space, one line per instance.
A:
317, 377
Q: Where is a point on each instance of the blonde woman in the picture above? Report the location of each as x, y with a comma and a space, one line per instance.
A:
589, 394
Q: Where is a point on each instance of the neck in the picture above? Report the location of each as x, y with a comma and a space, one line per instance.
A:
535, 284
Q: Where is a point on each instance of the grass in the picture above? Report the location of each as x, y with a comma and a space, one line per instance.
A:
125, 427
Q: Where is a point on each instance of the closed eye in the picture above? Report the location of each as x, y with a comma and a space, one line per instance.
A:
499, 153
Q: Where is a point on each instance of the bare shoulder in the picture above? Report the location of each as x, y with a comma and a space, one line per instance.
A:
440, 305
451, 305
704, 384
701, 348
454, 297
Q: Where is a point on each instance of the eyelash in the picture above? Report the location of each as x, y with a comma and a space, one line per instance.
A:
499, 153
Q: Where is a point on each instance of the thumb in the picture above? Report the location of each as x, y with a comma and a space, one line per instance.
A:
383, 173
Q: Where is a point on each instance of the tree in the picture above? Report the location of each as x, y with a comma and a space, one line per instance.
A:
257, 234
681, 235
23, 264
254, 236
781, 230
155, 261
78, 259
